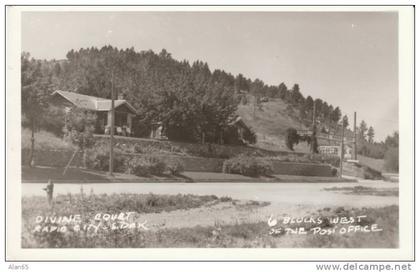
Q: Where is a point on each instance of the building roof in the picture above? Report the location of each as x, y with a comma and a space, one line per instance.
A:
92, 102
236, 120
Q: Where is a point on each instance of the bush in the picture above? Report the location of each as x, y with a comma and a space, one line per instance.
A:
53, 120
145, 166
248, 166
292, 138
175, 166
332, 160
99, 159
79, 128
138, 166
148, 149
369, 173
392, 159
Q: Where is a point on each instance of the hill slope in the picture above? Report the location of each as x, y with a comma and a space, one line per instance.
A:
270, 121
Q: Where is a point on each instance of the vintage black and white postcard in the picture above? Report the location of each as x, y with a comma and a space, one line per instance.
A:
210, 133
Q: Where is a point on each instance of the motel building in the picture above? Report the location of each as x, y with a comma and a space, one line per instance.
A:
124, 111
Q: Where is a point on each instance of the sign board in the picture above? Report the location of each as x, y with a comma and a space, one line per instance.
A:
329, 150
304, 132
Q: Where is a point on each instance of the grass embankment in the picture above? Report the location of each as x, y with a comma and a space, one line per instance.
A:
362, 190
376, 164
87, 206
80, 176
88, 202
257, 235
43, 140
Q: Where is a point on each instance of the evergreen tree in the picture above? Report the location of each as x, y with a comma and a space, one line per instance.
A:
392, 141
283, 91
345, 122
296, 96
370, 134
363, 129
336, 115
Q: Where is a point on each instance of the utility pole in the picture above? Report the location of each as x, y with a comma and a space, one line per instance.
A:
313, 115
111, 138
355, 138
342, 151
313, 129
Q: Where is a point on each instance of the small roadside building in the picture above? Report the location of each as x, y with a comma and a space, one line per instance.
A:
334, 150
237, 132
124, 111
157, 131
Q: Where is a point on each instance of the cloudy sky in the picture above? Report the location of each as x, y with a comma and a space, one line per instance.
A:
348, 59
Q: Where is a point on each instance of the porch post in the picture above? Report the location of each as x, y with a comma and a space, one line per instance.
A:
129, 120
108, 123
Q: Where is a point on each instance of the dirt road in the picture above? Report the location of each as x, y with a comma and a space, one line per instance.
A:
291, 199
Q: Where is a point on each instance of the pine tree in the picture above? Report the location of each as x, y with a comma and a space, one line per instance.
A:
283, 91
363, 129
336, 115
345, 121
370, 134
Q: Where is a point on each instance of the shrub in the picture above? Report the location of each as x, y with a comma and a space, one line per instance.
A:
175, 166
99, 159
53, 120
369, 173
138, 166
225, 199
292, 138
247, 166
157, 166
79, 128
148, 149
145, 166
332, 160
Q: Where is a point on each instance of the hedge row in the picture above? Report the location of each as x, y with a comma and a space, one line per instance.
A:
248, 166
143, 166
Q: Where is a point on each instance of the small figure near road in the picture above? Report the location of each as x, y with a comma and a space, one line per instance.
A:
49, 189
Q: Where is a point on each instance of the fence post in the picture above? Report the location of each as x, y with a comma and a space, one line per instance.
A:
49, 189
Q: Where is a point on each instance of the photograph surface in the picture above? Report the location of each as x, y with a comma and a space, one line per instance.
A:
154, 129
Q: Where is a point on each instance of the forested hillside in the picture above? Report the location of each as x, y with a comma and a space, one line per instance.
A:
190, 99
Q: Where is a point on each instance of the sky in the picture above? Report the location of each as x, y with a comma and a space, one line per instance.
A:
349, 59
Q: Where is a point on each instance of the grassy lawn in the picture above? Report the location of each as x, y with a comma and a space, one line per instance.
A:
362, 190
376, 164
73, 175
43, 140
88, 205
257, 235
79, 175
